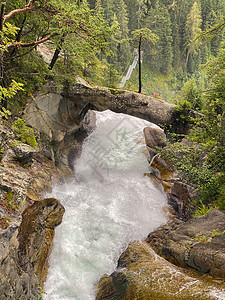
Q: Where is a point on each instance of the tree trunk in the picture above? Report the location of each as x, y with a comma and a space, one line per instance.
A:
2, 13
139, 61
18, 37
54, 59
57, 52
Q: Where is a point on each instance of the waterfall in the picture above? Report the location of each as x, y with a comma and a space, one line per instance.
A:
108, 203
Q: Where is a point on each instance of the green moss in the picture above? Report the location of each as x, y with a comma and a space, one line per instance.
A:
25, 133
13, 144
40, 297
6, 221
208, 237
9, 196
116, 92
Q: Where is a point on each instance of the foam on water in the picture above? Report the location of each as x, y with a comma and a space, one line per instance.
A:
108, 204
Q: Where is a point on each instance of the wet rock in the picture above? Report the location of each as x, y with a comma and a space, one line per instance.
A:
197, 243
142, 274
180, 195
180, 198
25, 247
155, 139
24, 253
162, 168
36, 236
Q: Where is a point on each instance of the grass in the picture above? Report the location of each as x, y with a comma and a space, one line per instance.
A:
153, 83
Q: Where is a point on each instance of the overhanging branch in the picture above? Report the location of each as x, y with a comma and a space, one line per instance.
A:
31, 44
28, 7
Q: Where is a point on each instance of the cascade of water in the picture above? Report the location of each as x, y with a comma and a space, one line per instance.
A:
108, 204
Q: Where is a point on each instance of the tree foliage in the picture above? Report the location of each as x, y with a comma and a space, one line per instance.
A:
71, 27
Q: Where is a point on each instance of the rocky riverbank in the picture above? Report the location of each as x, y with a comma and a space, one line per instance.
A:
27, 221
163, 266
142, 274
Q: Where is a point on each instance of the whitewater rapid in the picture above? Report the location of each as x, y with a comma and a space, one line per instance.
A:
109, 202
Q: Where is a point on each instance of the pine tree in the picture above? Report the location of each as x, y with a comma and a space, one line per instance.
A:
109, 10
132, 7
98, 6
141, 12
124, 47
192, 29
139, 37
160, 24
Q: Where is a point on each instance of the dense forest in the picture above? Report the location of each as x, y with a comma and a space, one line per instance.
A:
95, 39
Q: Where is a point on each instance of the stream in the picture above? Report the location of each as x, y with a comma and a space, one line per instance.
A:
109, 202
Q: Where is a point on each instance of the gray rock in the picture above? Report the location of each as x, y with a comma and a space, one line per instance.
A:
141, 274
155, 137
23, 153
24, 253
197, 243
25, 247
58, 113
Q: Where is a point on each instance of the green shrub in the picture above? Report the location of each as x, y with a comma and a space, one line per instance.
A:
202, 209
195, 166
25, 133
191, 94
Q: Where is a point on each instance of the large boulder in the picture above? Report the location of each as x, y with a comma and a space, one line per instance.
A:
197, 243
142, 274
36, 234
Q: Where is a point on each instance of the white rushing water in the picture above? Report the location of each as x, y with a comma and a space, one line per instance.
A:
108, 203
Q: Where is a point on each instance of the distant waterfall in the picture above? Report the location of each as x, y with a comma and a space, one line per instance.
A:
109, 203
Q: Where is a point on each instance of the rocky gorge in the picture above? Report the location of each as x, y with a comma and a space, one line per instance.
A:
28, 219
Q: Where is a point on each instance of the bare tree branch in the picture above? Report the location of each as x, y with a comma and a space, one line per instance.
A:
31, 44
28, 7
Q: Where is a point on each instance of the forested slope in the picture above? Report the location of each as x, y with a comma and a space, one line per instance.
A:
94, 39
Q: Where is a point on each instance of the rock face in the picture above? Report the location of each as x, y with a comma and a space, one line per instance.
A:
36, 234
25, 247
23, 153
179, 195
26, 222
180, 199
197, 243
142, 274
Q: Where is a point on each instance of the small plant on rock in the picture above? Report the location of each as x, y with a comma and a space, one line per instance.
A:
25, 133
